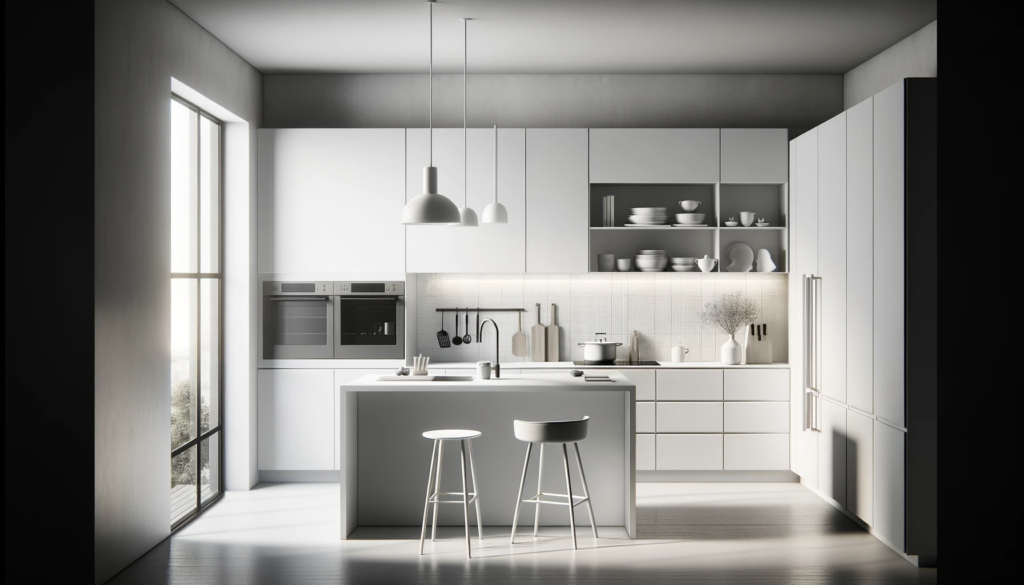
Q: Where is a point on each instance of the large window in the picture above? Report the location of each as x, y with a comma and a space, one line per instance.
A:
196, 452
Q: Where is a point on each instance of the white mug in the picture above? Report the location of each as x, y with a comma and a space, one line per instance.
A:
483, 370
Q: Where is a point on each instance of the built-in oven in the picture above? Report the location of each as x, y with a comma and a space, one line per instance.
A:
298, 320
369, 320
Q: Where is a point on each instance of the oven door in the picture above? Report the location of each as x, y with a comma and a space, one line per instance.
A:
298, 327
370, 327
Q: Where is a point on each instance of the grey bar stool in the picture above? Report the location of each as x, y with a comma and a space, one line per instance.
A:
562, 431
434, 480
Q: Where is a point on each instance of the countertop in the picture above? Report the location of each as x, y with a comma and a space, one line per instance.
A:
569, 365
533, 382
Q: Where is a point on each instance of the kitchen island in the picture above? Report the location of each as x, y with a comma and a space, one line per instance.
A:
385, 461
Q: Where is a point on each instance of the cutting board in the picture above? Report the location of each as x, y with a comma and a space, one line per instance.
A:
759, 345
552, 337
538, 338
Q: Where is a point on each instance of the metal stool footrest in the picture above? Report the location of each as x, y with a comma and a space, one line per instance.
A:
577, 500
436, 498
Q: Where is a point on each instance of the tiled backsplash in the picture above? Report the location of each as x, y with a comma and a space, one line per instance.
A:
663, 307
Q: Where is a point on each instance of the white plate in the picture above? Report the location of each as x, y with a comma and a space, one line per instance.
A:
762, 224
741, 258
647, 225
689, 225
732, 223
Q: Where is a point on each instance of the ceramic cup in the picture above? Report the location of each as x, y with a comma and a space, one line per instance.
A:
606, 262
624, 264
689, 205
483, 370
747, 218
707, 264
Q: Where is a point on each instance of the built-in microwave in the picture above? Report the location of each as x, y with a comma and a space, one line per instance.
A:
340, 320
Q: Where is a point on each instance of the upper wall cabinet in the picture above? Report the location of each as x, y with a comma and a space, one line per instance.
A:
326, 197
755, 155
557, 232
488, 247
656, 155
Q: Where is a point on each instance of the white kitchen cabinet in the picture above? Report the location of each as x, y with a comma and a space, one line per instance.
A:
755, 155
859, 256
645, 453
756, 417
689, 452
889, 483
804, 207
645, 383
295, 420
689, 384
796, 321
330, 200
859, 464
557, 188
832, 452
832, 255
888, 250
344, 376
752, 452
654, 155
762, 385
645, 417
689, 417
806, 202
494, 248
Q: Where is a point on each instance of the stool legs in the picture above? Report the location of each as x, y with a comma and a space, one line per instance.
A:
568, 488
540, 476
586, 492
465, 496
476, 494
437, 488
519, 499
426, 503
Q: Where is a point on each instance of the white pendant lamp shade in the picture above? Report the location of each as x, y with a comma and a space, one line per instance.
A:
495, 212
430, 207
467, 217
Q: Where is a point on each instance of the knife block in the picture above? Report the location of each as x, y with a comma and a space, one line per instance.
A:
759, 345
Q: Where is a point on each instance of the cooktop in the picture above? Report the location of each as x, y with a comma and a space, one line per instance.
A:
616, 363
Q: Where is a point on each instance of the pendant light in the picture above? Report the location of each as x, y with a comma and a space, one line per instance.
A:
430, 207
466, 215
495, 212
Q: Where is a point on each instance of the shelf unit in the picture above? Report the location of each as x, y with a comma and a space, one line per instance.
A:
718, 201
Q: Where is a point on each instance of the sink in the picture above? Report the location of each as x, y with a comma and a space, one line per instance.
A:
453, 378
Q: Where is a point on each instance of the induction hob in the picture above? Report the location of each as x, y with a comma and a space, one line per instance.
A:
618, 363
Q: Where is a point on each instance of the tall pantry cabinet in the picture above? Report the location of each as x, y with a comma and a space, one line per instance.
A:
862, 309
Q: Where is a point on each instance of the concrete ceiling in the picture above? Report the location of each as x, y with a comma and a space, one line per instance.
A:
561, 36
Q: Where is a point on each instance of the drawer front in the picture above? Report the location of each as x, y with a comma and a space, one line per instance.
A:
756, 417
644, 380
757, 384
645, 452
645, 417
689, 452
689, 384
689, 417
757, 452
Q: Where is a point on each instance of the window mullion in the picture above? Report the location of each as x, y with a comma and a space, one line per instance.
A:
199, 305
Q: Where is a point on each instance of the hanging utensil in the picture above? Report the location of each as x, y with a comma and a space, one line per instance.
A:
552, 337
519, 340
442, 336
467, 338
457, 340
478, 326
538, 335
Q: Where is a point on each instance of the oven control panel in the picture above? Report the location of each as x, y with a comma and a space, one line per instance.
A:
297, 288
388, 288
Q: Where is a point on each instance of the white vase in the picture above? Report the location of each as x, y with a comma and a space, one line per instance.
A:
731, 351
764, 261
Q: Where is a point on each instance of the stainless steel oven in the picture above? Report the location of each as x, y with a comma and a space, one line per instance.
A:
369, 320
298, 320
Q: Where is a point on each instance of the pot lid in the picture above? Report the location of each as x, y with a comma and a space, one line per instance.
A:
600, 343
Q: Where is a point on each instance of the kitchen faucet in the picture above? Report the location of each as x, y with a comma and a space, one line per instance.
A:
497, 351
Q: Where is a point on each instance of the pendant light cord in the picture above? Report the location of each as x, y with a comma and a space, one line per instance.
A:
495, 164
430, 78
465, 143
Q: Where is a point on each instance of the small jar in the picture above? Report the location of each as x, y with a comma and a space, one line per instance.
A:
483, 370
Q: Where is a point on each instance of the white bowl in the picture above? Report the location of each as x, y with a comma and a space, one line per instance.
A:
649, 264
684, 268
651, 253
649, 210
732, 223
685, 261
689, 205
690, 217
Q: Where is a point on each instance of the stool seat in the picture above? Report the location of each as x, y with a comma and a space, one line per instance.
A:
554, 431
451, 434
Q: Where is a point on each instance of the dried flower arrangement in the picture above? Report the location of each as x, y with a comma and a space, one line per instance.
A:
729, 312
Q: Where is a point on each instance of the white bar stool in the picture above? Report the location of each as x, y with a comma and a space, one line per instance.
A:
563, 431
434, 479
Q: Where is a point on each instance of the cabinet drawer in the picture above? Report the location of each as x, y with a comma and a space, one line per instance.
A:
689, 384
644, 380
757, 384
689, 452
645, 417
757, 417
757, 452
689, 417
645, 452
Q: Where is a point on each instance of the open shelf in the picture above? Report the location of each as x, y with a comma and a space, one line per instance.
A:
676, 243
772, 240
667, 196
767, 201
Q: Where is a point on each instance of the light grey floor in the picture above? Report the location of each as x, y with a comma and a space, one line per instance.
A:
770, 533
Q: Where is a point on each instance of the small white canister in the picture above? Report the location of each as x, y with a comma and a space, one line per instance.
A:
483, 370
679, 354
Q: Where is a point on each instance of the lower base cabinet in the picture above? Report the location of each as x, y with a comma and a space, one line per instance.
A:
859, 464
295, 420
889, 484
755, 452
688, 452
645, 449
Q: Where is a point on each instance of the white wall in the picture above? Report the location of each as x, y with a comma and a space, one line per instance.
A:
796, 102
914, 56
140, 46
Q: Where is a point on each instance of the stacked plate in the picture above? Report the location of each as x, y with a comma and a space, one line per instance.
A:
648, 216
689, 220
651, 260
684, 264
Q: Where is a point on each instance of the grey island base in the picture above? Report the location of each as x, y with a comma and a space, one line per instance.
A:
385, 460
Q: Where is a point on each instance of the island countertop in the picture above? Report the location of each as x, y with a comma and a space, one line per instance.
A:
554, 381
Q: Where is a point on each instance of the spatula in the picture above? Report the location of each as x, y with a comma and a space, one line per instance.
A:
519, 340
537, 340
442, 335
